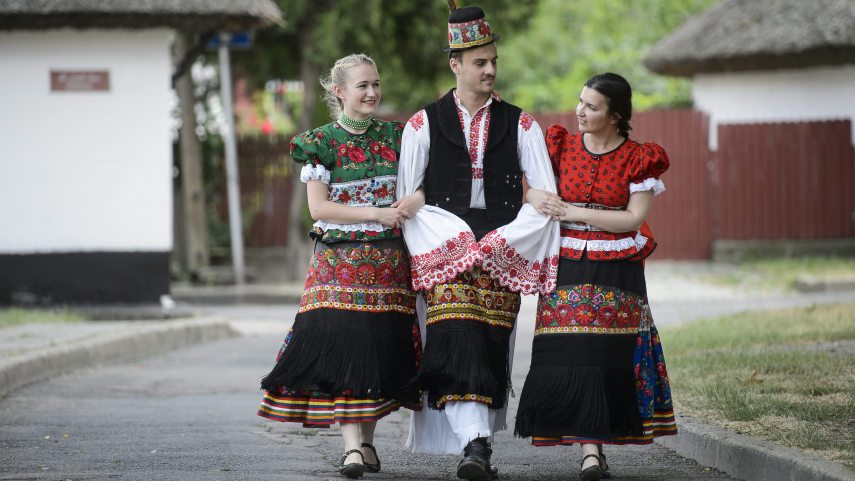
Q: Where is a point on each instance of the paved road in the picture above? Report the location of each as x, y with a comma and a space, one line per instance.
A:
190, 415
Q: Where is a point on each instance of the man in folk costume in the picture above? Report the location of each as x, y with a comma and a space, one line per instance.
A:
474, 244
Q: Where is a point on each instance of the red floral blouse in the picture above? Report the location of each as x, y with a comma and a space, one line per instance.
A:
604, 181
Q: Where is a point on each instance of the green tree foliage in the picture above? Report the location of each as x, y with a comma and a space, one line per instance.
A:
547, 51
568, 41
405, 38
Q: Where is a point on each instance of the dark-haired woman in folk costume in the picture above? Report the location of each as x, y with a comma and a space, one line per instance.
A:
597, 371
355, 342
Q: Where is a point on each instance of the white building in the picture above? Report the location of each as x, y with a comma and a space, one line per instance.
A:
85, 144
766, 61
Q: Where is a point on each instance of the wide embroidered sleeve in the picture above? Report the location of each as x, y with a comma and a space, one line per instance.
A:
523, 255
312, 149
441, 245
648, 163
555, 136
534, 155
415, 147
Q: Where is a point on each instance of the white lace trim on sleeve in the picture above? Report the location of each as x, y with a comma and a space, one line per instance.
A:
315, 172
656, 185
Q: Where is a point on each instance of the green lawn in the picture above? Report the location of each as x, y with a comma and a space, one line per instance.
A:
15, 316
782, 273
787, 376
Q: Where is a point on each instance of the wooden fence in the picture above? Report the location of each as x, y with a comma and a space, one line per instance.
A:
265, 190
767, 181
785, 181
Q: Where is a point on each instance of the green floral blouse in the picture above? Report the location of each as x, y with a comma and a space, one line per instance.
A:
360, 170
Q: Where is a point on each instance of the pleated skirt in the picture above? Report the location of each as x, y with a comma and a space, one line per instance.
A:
598, 372
355, 342
468, 326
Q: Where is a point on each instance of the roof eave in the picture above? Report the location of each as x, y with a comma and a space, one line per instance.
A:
688, 67
196, 22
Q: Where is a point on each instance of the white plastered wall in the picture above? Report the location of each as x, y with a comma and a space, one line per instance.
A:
819, 93
85, 171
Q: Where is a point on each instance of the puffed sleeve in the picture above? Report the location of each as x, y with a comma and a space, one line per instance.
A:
648, 163
312, 149
398, 127
555, 136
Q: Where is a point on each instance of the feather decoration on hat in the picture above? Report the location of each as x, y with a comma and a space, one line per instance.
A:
453, 5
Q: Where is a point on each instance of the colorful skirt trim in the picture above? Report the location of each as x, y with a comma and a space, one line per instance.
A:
314, 409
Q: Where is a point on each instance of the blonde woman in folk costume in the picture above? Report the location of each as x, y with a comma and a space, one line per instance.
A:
354, 343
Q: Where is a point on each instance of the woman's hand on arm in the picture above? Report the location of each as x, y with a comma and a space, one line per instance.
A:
545, 202
411, 204
626, 220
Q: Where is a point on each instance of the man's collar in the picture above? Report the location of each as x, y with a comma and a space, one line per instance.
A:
494, 96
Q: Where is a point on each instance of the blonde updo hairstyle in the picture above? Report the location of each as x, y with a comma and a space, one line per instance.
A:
338, 76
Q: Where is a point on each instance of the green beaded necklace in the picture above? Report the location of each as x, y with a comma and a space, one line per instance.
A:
354, 124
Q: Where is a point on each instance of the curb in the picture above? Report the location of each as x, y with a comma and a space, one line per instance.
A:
152, 339
824, 284
247, 294
749, 458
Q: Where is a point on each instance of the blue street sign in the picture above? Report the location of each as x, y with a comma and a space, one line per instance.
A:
239, 41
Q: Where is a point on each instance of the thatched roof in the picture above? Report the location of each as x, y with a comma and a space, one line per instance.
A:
187, 15
740, 35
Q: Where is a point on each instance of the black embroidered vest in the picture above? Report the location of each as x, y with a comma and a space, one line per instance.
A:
448, 178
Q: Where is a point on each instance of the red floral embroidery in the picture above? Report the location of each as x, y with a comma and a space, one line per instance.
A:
475, 130
345, 273
356, 154
360, 278
514, 271
526, 121
588, 308
388, 154
444, 263
365, 274
417, 120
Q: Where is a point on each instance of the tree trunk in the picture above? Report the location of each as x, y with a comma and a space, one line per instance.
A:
194, 255
299, 246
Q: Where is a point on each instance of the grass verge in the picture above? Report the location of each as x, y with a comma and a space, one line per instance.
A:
782, 273
787, 376
16, 316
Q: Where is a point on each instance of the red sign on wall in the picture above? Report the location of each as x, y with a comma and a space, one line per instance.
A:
79, 80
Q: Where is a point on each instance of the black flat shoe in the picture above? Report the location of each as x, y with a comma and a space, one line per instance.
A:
604, 466
352, 470
371, 468
591, 473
